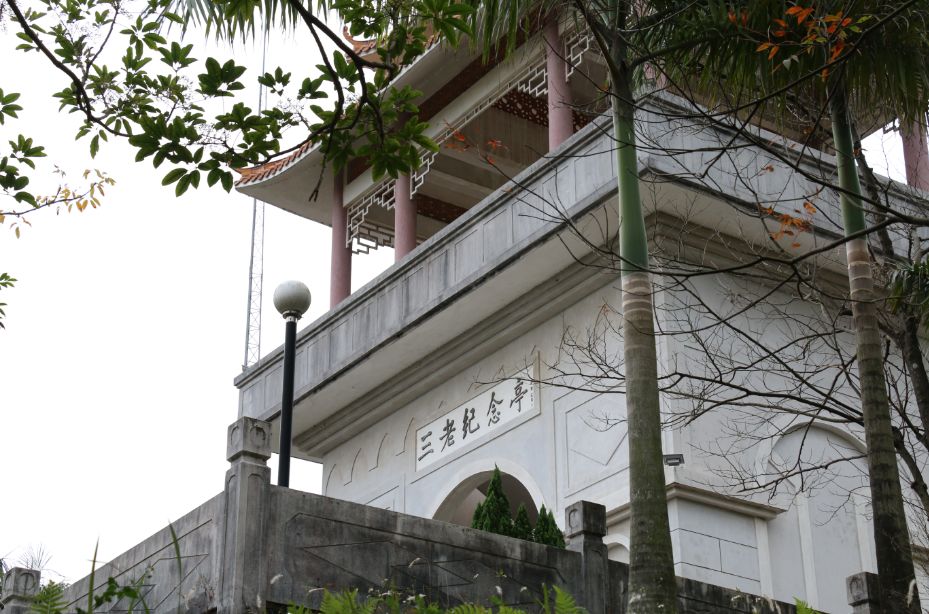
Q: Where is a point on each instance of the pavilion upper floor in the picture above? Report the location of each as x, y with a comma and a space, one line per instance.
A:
493, 119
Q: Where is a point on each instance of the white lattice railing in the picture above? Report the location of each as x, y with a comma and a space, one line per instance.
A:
578, 44
363, 235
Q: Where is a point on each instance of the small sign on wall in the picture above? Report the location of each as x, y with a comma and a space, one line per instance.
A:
470, 422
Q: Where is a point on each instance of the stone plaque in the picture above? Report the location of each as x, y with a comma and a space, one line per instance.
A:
475, 420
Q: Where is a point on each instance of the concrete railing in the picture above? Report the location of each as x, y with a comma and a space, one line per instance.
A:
256, 547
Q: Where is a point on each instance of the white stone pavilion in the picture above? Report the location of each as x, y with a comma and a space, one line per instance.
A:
454, 360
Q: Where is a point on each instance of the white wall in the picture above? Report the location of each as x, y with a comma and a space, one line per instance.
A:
574, 447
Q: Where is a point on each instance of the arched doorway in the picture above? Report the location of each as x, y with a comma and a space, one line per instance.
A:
824, 492
458, 507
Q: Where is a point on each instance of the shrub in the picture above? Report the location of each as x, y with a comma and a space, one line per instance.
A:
555, 601
522, 528
546, 530
495, 511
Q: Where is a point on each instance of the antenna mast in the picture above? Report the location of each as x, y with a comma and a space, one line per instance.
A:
256, 261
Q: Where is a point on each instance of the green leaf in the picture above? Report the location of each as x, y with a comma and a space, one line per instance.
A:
182, 185
173, 176
25, 197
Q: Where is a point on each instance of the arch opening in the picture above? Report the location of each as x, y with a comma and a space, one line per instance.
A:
458, 507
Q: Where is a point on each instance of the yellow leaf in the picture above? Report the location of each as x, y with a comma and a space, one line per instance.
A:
1, 218
17, 232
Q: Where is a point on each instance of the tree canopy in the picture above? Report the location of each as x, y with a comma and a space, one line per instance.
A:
126, 73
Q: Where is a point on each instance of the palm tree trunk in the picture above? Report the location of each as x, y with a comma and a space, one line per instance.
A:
891, 536
652, 586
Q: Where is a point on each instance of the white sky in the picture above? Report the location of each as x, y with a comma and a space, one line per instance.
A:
124, 333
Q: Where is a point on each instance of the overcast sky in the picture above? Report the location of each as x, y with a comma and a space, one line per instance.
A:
124, 333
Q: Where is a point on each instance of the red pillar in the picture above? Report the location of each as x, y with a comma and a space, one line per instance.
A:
340, 275
560, 113
404, 218
916, 155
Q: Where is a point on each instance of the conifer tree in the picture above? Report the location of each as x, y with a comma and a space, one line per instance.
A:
495, 514
522, 527
547, 531
477, 520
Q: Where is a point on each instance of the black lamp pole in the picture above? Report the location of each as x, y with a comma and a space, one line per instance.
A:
291, 299
287, 401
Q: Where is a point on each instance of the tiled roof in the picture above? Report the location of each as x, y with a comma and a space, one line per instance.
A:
267, 170
264, 171
360, 47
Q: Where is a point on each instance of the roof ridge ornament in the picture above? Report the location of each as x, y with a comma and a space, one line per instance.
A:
361, 47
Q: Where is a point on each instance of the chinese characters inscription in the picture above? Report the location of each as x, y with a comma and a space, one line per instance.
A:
478, 418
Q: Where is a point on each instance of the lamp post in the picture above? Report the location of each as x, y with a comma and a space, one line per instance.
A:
291, 299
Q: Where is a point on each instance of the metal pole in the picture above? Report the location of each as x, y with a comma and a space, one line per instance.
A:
287, 401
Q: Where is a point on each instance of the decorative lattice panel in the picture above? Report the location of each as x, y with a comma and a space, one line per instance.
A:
370, 236
418, 178
535, 81
362, 235
525, 106
518, 81
577, 45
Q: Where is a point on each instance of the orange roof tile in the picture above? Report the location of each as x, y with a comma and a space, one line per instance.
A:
254, 174
361, 47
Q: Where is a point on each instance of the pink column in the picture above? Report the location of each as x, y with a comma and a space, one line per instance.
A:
340, 275
404, 218
560, 113
916, 155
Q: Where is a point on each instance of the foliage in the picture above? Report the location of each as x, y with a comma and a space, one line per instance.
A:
348, 603
5, 282
555, 601
477, 516
164, 100
563, 602
125, 76
804, 608
24, 152
495, 511
49, 600
494, 515
546, 530
910, 288
522, 527
789, 55
19, 159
